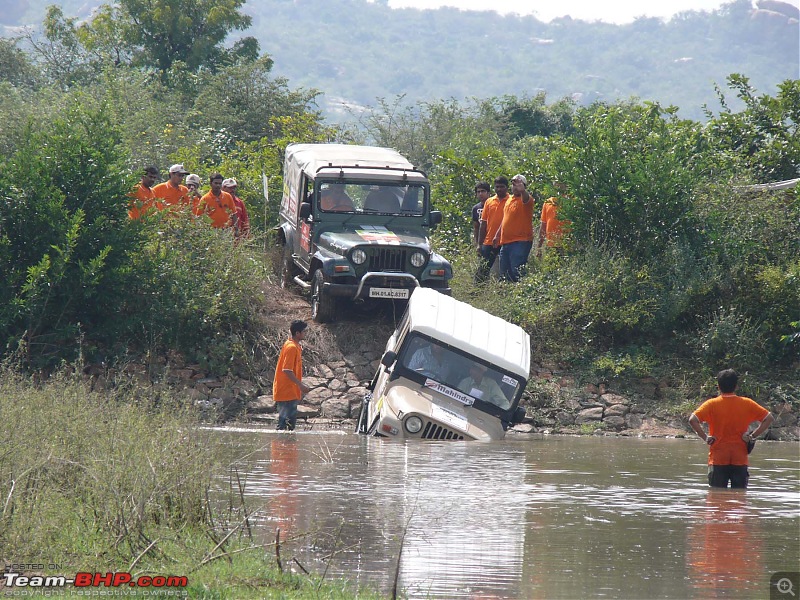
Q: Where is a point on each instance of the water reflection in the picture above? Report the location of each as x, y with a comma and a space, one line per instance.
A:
525, 518
724, 545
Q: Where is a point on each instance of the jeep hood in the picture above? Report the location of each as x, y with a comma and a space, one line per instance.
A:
341, 241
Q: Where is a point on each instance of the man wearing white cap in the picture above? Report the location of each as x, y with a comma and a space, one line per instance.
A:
516, 232
242, 219
172, 192
193, 183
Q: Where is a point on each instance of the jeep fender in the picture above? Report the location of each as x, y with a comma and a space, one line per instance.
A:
324, 260
284, 234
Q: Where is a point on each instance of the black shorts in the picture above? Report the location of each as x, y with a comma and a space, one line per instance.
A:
719, 475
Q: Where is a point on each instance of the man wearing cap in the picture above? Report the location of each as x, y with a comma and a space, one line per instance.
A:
217, 205
516, 231
193, 183
242, 219
172, 192
143, 199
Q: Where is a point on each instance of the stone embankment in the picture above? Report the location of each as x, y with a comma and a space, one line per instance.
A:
555, 402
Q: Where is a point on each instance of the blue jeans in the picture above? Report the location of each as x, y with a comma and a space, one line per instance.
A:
287, 414
513, 258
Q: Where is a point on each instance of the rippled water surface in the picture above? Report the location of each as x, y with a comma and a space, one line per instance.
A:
553, 517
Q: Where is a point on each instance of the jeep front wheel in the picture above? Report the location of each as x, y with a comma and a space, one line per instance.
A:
323, 307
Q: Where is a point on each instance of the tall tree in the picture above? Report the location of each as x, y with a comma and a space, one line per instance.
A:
189, 32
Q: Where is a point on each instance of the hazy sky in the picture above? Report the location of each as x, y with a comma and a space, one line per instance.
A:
616, 11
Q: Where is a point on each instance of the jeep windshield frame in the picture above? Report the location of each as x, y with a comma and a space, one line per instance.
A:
376, 195
459, 375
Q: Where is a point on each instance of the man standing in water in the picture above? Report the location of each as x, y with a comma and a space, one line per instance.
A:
728, 417
287, 387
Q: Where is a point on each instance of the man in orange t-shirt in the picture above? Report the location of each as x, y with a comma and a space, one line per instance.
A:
218, 205
551, 229
173, 194
287, 387
242, 218
516, 231
143, 200
729, 416
491, 219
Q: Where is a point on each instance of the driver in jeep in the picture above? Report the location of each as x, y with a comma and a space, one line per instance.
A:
334, 198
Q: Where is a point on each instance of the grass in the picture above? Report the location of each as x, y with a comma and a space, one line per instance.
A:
118, 482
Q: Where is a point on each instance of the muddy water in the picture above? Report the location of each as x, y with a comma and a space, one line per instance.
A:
554, 517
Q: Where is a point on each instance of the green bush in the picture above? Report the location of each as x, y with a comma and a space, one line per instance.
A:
65, 239
195, 291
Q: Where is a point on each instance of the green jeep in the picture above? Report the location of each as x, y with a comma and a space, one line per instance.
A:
354, 224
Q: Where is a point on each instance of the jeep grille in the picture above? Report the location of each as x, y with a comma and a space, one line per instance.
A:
387, 259
432, 431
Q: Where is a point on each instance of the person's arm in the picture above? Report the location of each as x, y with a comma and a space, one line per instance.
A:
476, 231
542, 236
481, 232
762, 427
694, 423
304, 389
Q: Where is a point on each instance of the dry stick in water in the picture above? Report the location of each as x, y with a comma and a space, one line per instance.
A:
400, 551
328, 562
278, 549
244, 507
297, 562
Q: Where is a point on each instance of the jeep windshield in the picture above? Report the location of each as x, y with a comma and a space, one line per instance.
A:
459, 376
379, 198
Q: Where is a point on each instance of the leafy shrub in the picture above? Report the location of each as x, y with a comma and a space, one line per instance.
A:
65, 239
195, 291
730, 338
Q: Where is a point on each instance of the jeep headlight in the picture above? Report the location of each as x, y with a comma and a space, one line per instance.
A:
418, 259
359, 257
413, 424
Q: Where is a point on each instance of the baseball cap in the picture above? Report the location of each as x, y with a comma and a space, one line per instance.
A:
193, 178
178, 169
230, 182
520, 178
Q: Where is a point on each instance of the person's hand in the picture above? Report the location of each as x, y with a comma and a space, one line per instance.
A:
304, 388
710, 440
746, 437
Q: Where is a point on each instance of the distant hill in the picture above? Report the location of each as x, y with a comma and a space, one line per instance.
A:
356, 51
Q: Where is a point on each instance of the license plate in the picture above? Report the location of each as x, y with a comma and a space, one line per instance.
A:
388, 293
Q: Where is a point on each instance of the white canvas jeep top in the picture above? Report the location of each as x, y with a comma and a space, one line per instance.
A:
470, 329
313, 157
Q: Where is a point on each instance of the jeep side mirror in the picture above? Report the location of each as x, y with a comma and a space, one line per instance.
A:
387, 360
519, 415
305, 210
436, 217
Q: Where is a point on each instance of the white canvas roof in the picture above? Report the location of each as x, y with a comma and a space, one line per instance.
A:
470, 329
311, 157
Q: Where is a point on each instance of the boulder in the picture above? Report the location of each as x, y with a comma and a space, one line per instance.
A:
336, 408
588, 415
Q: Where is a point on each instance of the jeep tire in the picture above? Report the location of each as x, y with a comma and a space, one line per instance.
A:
323, 307
286, 270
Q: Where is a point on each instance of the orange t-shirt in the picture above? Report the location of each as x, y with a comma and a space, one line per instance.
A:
517, 221
219, 209
143, 200
172, 196
493, 215
283, 388
728, 417
554, 229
